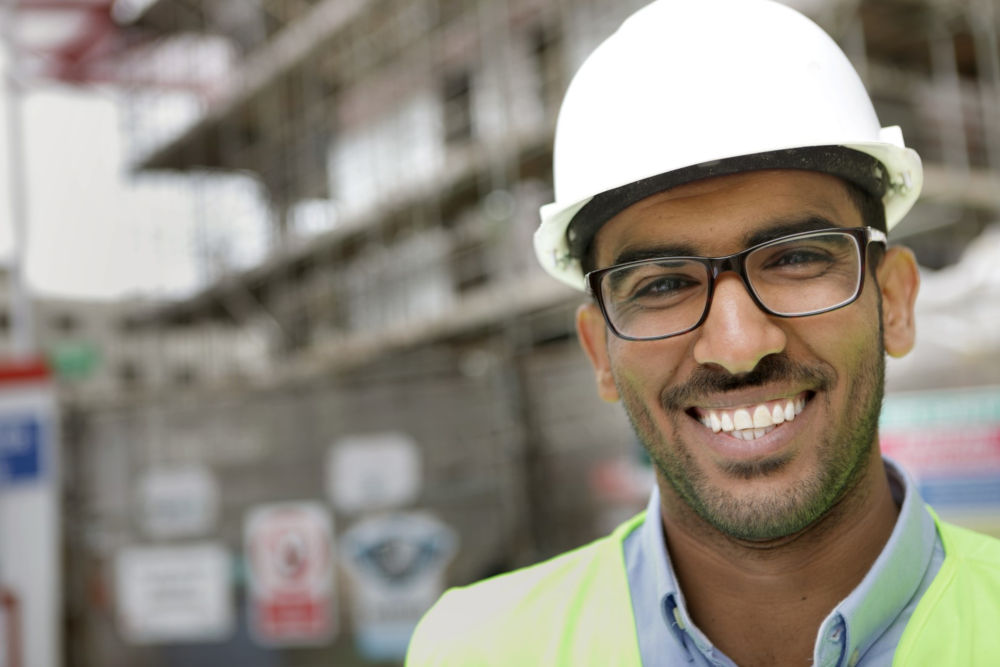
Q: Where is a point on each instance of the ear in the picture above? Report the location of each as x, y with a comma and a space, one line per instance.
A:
898, 280
593, 335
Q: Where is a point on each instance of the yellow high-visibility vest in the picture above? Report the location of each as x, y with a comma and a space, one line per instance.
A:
575, 610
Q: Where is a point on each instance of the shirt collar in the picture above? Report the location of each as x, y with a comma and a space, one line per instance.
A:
867, 611
672, 606
896, 574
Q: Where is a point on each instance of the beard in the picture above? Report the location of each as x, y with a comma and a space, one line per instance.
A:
843, 449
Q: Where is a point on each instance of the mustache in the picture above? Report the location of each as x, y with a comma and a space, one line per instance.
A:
774, 368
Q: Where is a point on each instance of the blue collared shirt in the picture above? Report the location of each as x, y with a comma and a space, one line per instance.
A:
863, 630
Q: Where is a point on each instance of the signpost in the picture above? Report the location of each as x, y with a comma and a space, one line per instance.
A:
289, 550
29, 512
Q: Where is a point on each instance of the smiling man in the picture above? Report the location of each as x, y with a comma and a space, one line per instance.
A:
724, 193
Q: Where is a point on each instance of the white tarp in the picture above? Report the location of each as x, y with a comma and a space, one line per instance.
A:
958, 323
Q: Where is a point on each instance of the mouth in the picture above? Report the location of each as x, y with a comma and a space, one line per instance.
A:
751, 421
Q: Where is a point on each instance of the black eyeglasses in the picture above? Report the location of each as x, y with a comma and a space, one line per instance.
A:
792, 276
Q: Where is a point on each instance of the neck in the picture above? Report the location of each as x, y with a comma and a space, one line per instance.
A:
763, 602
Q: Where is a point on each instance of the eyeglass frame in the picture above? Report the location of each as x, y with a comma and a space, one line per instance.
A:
736, 262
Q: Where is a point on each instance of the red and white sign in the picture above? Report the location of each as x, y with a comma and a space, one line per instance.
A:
289, 549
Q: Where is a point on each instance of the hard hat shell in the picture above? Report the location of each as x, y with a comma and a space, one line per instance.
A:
689, 89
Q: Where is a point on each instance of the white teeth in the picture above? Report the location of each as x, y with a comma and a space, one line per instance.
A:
752, 433
746, 425
778, 416
761, 417
727, 422
742, 419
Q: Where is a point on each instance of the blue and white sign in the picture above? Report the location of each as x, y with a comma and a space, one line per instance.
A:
396, 564
30, 507
20, 448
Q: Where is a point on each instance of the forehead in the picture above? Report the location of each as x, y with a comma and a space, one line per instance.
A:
722, 215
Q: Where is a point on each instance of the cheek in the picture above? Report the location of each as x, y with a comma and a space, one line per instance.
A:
645, 368
848, 340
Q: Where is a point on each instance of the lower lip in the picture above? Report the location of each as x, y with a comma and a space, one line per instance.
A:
729, 448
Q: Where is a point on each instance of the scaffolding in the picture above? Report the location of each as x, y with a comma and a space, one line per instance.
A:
391, 156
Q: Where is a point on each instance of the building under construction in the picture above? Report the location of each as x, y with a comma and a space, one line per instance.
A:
403, 148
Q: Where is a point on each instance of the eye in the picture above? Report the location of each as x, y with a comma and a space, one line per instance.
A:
664, 285
657, 284
799, 256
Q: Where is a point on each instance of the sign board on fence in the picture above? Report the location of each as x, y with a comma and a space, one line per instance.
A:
373, 472
396, 564
174, 593
178, 502
289, 551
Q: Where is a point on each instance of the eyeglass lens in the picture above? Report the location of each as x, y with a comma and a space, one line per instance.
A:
794, 277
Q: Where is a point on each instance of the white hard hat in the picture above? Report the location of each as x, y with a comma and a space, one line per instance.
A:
689, 89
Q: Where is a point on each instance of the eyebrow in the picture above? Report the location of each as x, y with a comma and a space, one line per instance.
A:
810, 224
774, 231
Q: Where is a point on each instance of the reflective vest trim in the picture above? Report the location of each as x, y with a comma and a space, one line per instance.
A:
575, 609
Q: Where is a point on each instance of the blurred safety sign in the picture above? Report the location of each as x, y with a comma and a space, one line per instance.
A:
396, 565
289, 551
178, 502
950, 441
174, 593
373, 472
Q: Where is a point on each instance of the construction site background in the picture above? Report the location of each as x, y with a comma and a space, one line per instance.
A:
397, 152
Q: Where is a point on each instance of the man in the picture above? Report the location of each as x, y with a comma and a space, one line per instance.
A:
724, 185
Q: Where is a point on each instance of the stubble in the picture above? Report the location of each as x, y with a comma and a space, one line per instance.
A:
843, 449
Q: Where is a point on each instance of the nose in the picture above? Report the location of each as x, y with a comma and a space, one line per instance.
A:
737, 334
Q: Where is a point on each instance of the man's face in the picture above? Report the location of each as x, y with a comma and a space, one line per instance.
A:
822, 375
